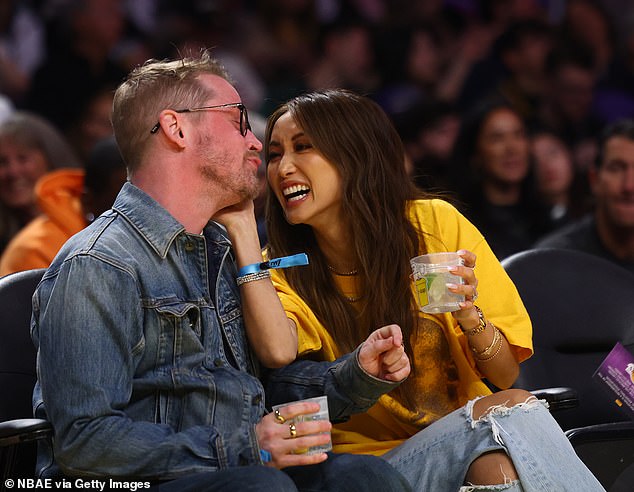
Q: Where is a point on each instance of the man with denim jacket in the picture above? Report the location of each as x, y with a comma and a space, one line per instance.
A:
144, 367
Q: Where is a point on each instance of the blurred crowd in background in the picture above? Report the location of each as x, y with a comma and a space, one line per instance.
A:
500, 103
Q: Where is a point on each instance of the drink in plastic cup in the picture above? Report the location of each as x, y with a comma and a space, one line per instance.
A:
431, 276
322, 414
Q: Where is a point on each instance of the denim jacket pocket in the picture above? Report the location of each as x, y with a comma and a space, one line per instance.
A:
174, 350
178, 333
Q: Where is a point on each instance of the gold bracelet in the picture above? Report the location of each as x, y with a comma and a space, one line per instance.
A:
487, 351
494, 355
485, 355
482, 323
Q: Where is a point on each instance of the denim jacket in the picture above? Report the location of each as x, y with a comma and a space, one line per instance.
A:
144, 368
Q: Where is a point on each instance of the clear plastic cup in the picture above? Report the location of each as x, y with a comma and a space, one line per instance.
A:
322, 414
431, 276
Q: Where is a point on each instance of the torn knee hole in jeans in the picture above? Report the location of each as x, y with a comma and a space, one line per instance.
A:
501, 410
503, 486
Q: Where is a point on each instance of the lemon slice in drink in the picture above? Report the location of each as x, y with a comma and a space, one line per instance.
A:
436, 286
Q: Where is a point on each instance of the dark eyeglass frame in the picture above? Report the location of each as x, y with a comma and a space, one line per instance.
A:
245, 126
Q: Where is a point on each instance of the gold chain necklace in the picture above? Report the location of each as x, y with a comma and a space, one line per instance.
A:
351, 273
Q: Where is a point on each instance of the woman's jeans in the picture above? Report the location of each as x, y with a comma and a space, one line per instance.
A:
340, 473
438, 457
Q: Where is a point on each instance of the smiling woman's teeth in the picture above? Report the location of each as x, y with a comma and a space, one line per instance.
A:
293, 193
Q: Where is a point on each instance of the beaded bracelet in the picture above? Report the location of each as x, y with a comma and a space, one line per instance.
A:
252, 277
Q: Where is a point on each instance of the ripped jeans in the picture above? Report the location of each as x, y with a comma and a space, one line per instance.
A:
438, 457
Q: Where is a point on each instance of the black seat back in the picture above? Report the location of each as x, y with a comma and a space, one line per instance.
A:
17, 353
581, 305
17, 372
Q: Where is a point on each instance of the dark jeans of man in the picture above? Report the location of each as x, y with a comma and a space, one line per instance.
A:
340, 473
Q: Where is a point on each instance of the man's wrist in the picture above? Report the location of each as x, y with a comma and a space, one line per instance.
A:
362, 388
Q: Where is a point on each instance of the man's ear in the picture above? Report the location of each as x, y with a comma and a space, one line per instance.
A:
170, 122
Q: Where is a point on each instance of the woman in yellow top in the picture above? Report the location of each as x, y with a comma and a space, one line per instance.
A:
339, 192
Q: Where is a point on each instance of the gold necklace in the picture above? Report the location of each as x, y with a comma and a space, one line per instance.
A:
352, 299
351, 273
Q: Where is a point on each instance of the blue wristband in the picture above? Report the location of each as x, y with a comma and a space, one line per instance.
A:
265, 456
284, 262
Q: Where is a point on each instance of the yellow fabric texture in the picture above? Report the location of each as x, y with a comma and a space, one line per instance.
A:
446, 373
59, 199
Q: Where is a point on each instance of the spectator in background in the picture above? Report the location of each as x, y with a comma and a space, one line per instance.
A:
608, 231
429, 131
188, 27
428, 60
515, 68
30, 146
523, 50
283, 42
346, 57
79, 64
567, 105
411, 61
343, 55
614, 96
92, 124
558, 187
492, 162
22, 48
587, 23
499, 14
69, 200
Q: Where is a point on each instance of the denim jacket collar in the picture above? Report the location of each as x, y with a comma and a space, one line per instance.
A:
155, 224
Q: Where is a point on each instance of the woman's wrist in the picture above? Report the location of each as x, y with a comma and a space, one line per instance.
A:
477, 328
483, 350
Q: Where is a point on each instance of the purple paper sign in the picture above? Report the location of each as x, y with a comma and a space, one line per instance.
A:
616, 373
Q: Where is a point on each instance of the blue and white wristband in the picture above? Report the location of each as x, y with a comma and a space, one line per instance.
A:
283, 262
265, 456
262, 270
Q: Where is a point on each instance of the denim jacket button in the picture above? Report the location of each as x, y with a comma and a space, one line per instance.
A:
218, 362
256, 399
189, 246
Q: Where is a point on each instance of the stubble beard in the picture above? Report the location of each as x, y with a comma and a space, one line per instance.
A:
240, 181
243, 184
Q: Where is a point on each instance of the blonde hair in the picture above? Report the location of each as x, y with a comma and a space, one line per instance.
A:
152, 87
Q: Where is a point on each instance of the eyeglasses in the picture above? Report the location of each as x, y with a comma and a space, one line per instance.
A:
244, 115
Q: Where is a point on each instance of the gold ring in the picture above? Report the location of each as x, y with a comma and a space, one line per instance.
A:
292, 429
278, 416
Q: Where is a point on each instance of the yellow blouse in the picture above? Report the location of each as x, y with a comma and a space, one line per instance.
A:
446, 376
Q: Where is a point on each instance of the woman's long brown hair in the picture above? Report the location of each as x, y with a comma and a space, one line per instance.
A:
356, 136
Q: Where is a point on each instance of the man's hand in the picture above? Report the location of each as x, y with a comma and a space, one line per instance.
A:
383, 356
288, 448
